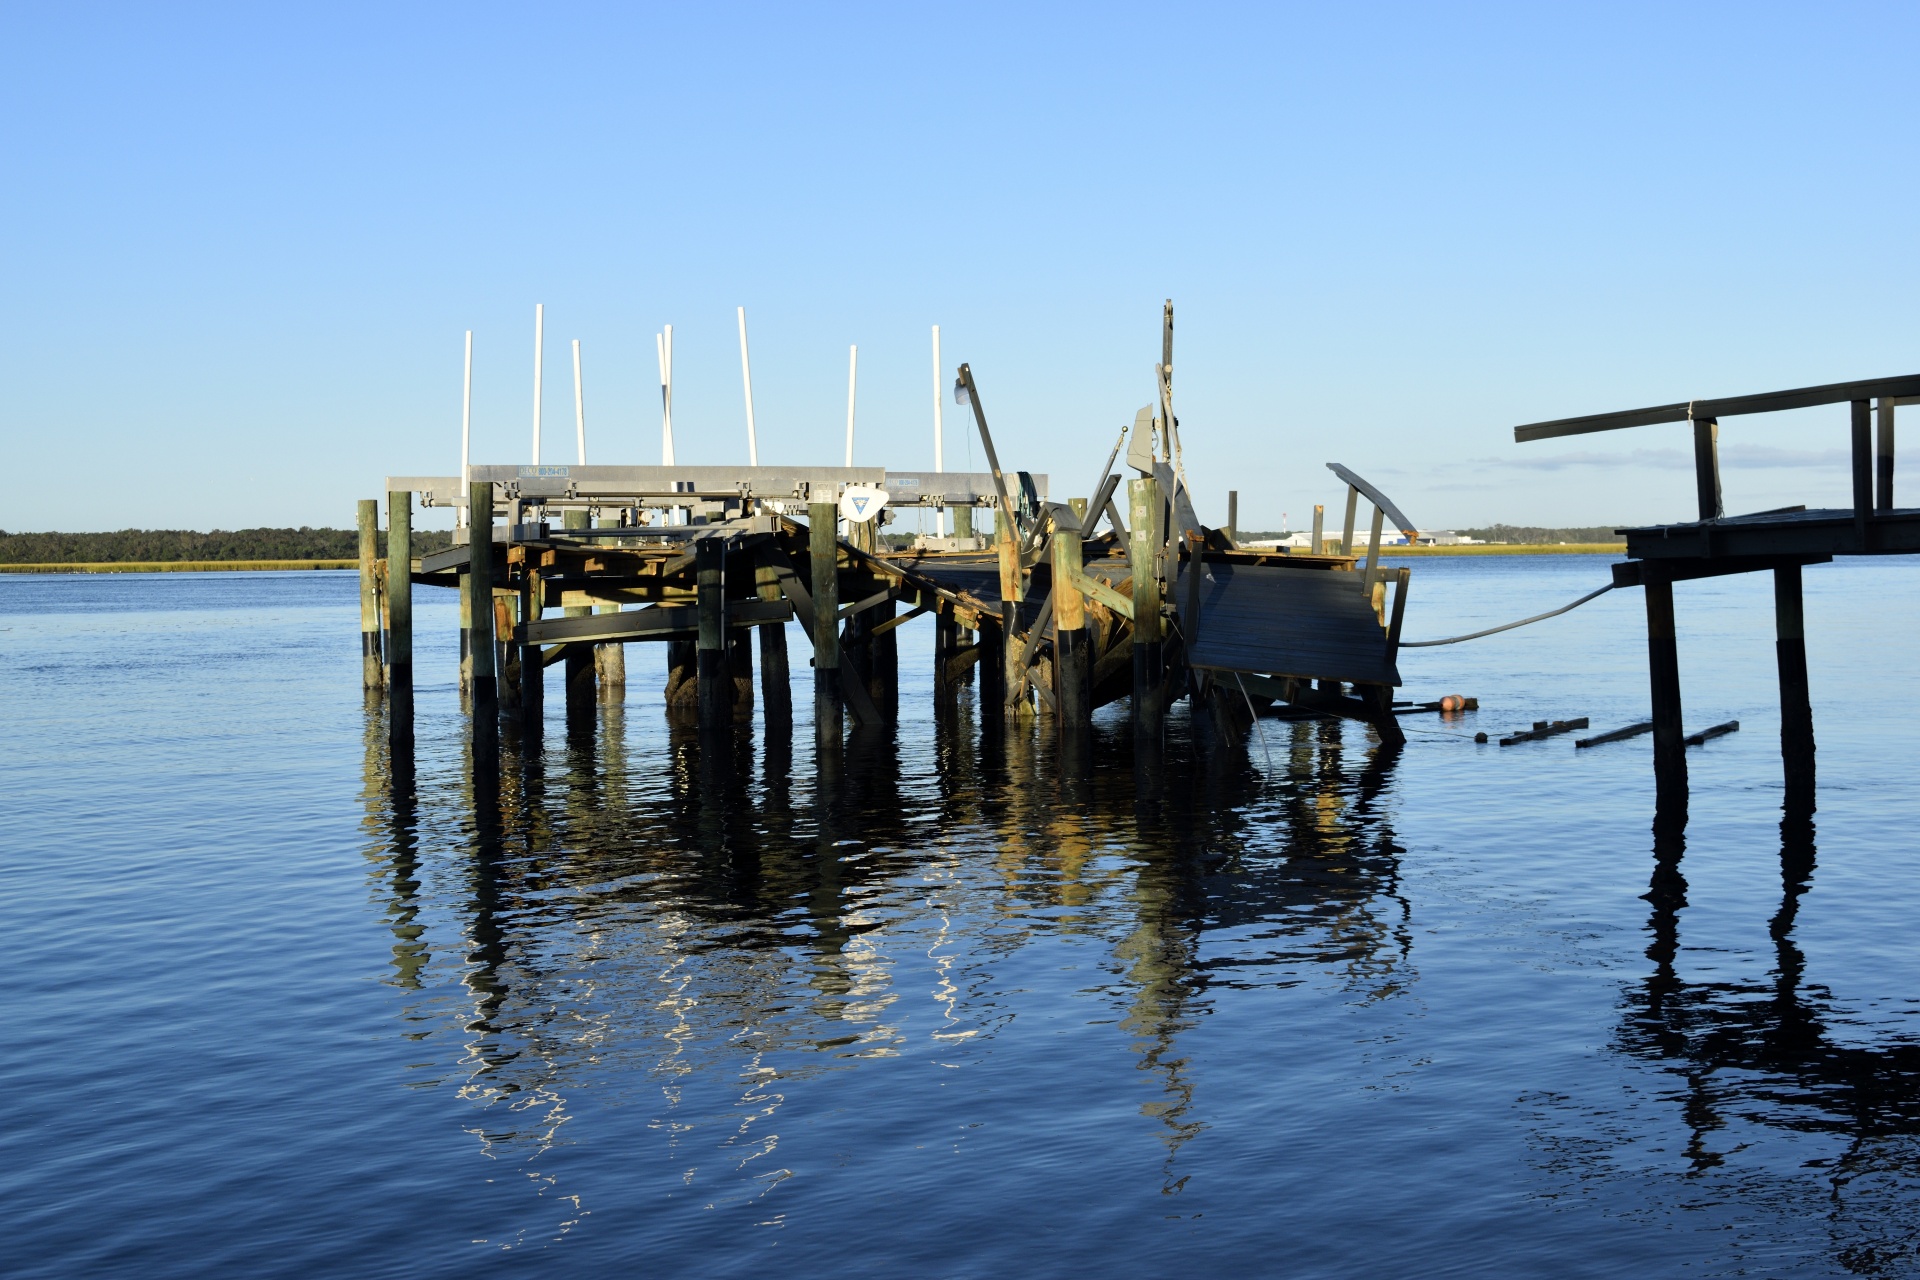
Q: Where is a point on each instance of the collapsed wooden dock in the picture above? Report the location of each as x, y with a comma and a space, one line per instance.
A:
1052, 610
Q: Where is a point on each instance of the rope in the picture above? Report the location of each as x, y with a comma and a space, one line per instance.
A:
1508, 626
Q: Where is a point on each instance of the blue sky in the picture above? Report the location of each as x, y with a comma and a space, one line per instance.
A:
242, 244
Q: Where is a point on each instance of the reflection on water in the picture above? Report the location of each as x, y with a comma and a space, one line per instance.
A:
1784, 1105
694, 925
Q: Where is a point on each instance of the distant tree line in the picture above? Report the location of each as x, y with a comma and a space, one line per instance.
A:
158, 545
1526, 534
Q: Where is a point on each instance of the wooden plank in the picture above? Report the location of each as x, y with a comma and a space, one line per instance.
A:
651, 623
1543, 729
1288, 622
1717, 731
1616, 735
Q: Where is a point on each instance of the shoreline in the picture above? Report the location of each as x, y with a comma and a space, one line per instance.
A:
281, 566
1513, 549
179, 566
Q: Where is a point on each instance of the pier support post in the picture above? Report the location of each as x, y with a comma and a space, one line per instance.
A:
714, 677
1233, 516
1862, 423
1796, 702
963, 522
824, 554
400, 590
1883, 458
533, 672
683, 684
1073, 671
371, 674
883, 663
579, 661
477, 596
946, 642
993, 669
776, 681
1663, 670
1319, 528
1146, 518
1006, 540
610, 660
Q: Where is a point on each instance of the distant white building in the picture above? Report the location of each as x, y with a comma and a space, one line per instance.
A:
1448, 538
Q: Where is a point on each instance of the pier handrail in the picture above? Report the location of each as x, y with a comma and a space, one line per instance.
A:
1728, 407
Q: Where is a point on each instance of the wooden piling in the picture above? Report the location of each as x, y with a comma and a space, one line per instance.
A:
1663, 670
1073, 673
477, 600
400, 589
1006, 541
371, 674
1233, 516
823, 549
1862, 423
1145, 518
683, 684
610, 660
580, 659
1796, 701
1319, 528
883, 662
963, 522
1883, 457
946, 643
992, 684
532, 680
776, 681
715, 679
1346, 528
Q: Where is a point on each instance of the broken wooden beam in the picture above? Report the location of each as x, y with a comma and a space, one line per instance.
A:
1717, 731
1544, 729
1617, 735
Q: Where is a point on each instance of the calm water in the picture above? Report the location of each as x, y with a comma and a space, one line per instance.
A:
1300, 1011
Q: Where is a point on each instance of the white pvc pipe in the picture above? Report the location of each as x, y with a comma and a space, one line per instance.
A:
853, 380
746, 379
539, 344
940, 513
579, 406
663, 344
466, 421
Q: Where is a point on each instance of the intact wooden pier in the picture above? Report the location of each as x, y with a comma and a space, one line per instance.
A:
1052, 610
1782, 542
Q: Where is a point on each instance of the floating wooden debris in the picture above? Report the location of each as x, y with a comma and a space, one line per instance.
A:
1617, 735
1717, 731
1544, 729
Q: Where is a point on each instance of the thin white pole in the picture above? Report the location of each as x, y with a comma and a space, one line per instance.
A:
663, 344
746, 380
539, 344
939, 464
579, 406
466, 419
853, 381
